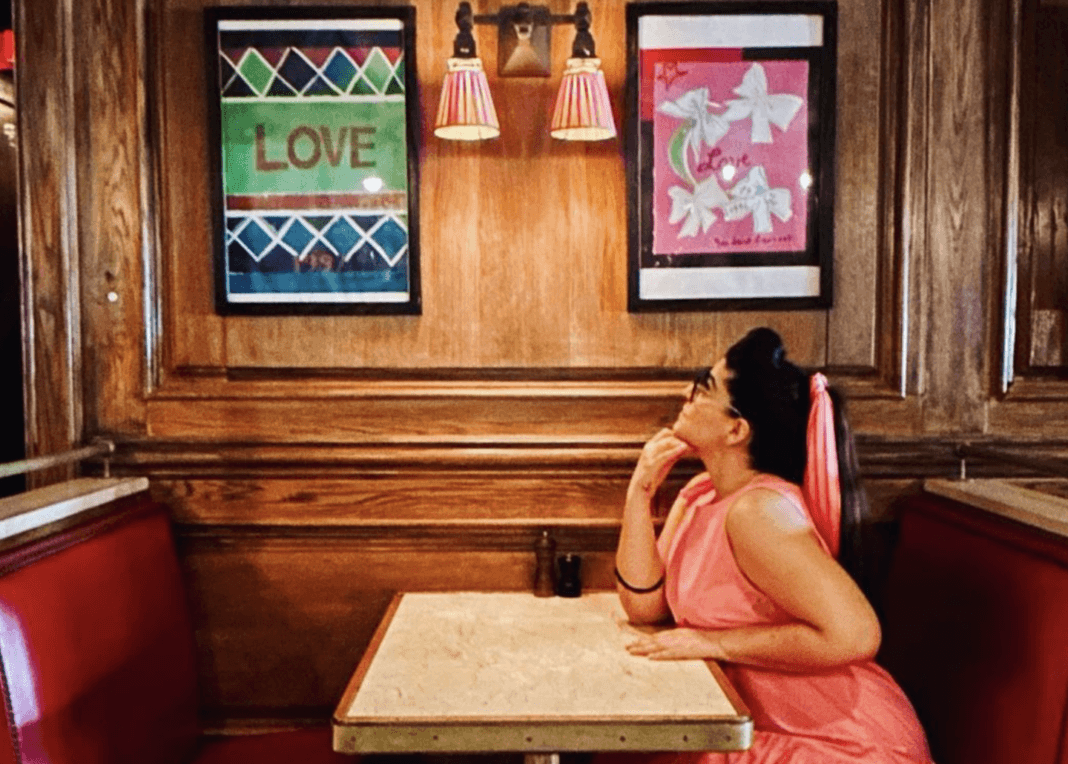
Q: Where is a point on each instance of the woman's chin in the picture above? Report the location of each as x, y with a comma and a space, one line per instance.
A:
679, 431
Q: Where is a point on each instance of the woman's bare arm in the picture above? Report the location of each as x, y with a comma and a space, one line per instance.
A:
637, 559
776, 548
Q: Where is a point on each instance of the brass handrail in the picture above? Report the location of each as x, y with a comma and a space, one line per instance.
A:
99, 448
1046, 465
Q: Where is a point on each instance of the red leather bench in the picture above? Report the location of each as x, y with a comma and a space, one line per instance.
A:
976, 631
97, 657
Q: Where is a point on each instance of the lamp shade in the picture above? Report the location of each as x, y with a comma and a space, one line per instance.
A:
465, 112
583, 111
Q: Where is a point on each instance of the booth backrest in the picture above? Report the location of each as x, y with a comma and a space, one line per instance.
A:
96, 648
976, 632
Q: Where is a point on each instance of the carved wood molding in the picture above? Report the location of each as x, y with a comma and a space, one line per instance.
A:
465, 536
880, 458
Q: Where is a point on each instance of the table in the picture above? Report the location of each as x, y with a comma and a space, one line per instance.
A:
482, 672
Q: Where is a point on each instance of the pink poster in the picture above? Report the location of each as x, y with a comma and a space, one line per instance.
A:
731, 168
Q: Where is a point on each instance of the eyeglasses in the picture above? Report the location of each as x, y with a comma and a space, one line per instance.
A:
702, 383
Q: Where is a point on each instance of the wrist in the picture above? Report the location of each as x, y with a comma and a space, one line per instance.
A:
641, 490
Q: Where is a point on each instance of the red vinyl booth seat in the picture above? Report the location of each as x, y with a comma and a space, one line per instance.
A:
976, 632
97, 654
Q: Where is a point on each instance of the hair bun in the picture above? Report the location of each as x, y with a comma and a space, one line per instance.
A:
767, 345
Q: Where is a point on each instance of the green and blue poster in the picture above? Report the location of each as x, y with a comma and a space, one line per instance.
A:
316, 165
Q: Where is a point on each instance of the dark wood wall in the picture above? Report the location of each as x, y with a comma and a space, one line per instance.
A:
315, 465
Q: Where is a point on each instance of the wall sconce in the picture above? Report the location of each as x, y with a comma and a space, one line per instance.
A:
583, 111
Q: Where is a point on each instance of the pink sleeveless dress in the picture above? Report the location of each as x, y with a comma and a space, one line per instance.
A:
855, 713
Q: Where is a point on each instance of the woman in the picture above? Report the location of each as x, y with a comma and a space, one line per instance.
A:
746, 564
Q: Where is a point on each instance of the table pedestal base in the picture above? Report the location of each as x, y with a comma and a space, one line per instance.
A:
541, 758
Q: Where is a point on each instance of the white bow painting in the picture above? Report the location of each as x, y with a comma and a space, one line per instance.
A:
693, 205
696, 207
752, 196
763, 108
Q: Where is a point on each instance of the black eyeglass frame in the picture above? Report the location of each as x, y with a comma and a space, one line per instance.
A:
702, 380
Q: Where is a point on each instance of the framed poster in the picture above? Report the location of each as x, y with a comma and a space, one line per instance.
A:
313, 125
730, 155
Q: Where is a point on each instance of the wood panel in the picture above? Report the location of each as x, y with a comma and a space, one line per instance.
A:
1045, 85
532, 275
853, 325
48, 236
108, 101
290, 618
376, 500
961, 172
1036, 395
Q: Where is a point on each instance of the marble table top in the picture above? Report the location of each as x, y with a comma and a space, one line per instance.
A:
479, 671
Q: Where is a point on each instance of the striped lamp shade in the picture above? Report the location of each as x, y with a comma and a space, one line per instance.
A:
465, 112
583, 111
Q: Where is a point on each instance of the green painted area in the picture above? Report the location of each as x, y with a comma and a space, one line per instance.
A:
257, 72
307, 146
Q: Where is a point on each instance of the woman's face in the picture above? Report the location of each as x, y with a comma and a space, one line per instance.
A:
707, 414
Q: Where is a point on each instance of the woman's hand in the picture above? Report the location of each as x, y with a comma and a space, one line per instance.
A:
658, 456
677, 644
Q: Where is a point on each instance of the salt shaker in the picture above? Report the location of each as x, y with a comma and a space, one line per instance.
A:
544, 555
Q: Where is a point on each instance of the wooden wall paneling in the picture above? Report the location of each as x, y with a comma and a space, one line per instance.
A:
902, 332
193, 335
399, 499
1049, 273
48, 201
450, 262
288, 618
522, 232
359, 419
108, 101
499, 234
962, 160
852, 327
1034, 396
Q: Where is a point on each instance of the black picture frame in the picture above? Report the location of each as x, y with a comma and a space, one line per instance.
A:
313, 139
767, 241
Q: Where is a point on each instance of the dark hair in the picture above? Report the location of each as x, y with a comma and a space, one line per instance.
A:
772, 394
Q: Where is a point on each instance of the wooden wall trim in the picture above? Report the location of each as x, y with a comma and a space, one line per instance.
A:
880, 458
149, 41
310, 384
48, 231
466, 536
909, 29
1011, 233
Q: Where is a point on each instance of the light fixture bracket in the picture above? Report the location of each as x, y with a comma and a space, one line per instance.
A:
524, 41
524, 36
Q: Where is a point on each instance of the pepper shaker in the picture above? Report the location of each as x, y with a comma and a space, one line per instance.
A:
569, 578
545, 556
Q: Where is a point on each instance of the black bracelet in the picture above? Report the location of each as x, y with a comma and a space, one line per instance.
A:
638, 589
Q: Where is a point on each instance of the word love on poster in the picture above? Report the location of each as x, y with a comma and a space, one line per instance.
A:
315, 148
